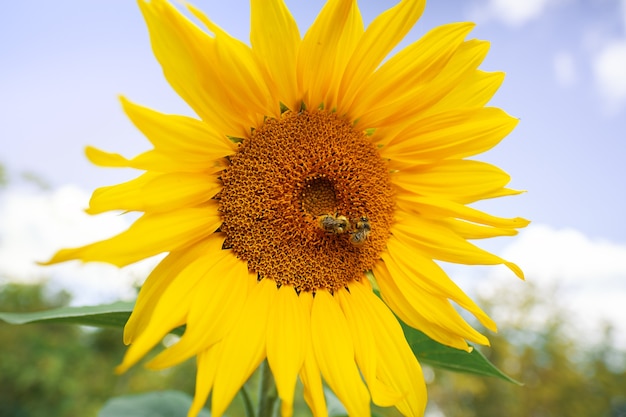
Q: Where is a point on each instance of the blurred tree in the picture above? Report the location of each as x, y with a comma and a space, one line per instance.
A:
38, 181
3, 177
60, 370
540, 346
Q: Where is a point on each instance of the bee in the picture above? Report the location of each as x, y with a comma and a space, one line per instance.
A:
333, 224
362, 229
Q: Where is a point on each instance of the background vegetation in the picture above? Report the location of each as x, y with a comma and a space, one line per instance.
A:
61, 370
564, 374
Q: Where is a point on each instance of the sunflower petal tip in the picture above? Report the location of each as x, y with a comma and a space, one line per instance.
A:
121, 368
63, 255
516, 270
468, 25
286, 408
123, 99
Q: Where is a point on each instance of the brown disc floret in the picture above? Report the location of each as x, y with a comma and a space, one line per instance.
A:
291, 171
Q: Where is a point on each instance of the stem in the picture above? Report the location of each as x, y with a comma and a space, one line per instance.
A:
267, 391
247, 403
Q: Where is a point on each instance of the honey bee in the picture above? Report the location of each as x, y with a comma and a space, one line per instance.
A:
333, 224
362, 229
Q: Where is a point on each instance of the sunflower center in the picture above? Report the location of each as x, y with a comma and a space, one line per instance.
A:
318, 196
307, 201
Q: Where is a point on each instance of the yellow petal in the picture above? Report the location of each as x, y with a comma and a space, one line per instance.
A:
381, 36
452, 134
158, 161
468, 230
244, 348
178, 133
275, 38
417, 100
243, 81
365, 350
286, 343
150, 235
334, 351
120, 196
182, 49
397, 365
407, 310
428, 207
433, 307
429, 277
313, 388
442, 244
106, 159
415, 65
207, 365
213, 310
310, 372
459, 180
156, 193
160, 278
325, 50
179, 293
473, 91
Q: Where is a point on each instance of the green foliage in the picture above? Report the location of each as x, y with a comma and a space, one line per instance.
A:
562, 375
106, 315
153, 404
116, 314
51, 369
427, 350
434, 354
3, 177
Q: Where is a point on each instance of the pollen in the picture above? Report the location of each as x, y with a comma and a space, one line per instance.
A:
287, 174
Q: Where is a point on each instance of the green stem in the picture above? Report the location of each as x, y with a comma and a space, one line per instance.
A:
247, 402
267, 392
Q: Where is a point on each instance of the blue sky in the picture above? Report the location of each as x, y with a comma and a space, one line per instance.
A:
64, 62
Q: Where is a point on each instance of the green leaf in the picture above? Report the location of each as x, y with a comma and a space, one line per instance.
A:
440, 356
152, 404
106, 315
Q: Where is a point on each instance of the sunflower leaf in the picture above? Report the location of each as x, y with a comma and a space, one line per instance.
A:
437, 355
106, 315
152, 404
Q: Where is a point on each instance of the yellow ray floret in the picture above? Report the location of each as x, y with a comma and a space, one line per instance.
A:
148, 236
334, 350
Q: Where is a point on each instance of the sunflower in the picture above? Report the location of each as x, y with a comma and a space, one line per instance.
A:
318, 170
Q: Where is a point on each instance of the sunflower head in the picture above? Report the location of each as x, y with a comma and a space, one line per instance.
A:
317, 167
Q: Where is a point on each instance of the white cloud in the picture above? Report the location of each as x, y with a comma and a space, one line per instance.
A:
34, 225
589, 276
581, 277
609, 69
565, 69
514, 13
569, 257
